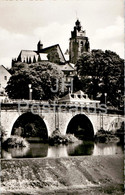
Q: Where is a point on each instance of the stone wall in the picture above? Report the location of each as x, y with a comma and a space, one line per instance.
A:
60, 120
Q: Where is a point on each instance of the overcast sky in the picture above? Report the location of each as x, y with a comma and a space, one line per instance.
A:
24, 22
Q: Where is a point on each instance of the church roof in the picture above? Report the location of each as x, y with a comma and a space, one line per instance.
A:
57, 46
30, 54
26, 54
50, 47
43, 56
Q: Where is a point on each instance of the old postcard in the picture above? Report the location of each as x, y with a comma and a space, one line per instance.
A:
62, 97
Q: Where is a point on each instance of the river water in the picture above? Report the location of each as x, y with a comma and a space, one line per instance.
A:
40, 150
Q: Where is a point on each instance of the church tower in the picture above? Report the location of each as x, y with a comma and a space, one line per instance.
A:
78, 43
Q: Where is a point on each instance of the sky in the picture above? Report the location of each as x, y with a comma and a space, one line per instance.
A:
24, 22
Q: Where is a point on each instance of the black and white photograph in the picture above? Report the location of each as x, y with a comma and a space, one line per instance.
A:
62, 97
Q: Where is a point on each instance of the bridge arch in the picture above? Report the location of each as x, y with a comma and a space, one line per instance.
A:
30, 125
81, 126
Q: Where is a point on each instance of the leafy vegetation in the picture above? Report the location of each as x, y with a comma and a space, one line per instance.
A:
58, 138
101, 72
106, 136
14, 142
42, 76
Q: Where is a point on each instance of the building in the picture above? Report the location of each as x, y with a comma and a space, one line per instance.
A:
69, 72
4, 78
78, 98
52, 54
78, 44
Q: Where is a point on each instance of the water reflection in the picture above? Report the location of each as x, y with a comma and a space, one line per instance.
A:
15, 152
37, 150
77, 149
107, 149
57, 151
84, 148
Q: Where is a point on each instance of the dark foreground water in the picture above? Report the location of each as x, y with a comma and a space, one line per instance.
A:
36, 150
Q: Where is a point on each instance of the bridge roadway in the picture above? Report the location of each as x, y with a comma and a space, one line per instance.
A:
56, 116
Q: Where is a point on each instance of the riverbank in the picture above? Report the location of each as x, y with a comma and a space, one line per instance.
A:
87, 175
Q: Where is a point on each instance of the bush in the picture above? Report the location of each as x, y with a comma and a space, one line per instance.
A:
15, 142
58, 138
106, 136
71, 138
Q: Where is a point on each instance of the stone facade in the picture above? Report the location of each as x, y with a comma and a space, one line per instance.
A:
59, 119
78, 43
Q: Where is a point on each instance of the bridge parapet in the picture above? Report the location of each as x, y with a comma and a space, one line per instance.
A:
58, 116
48, 107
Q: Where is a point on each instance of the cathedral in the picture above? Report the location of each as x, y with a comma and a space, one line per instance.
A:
78, 43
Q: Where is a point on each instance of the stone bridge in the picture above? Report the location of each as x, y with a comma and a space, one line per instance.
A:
57, 116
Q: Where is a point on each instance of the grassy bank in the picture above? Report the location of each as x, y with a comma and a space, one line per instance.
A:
74, 175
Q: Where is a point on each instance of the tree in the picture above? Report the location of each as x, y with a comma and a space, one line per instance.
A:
101, 72
41, 75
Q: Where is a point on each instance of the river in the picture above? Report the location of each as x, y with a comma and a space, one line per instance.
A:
40, 150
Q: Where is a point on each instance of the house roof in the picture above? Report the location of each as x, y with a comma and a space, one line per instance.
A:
77, 97
2, 89
66, 67
79, 93
3, 67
